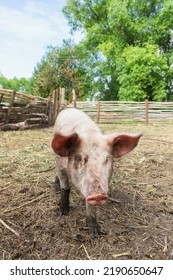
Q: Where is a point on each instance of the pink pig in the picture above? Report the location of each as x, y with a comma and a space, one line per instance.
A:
84, 157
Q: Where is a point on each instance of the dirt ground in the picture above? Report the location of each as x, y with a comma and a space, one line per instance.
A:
137, 223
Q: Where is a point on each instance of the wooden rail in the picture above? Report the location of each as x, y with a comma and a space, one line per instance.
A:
127, 111
18, 107
5, 94
24, 109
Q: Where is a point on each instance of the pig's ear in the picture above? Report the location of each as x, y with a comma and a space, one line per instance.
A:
64, 146
123, 143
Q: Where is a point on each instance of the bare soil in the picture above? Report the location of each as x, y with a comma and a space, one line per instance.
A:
137, 223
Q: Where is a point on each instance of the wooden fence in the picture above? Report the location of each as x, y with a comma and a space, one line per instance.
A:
25, 110
21, 111
127, 111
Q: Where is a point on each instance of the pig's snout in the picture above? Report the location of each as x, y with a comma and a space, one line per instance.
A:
97, 199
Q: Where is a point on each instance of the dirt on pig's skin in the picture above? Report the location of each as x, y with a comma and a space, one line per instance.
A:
136, 223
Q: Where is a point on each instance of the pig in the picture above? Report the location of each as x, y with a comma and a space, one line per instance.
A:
84, 157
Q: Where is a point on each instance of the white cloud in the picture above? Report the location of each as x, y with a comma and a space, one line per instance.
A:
25, 32
30, 24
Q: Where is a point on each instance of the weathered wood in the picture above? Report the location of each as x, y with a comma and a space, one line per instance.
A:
1, 97
146, 111
50, 111
42, 120
23, 106
55, 105
17, 107
23, 96
14, 126
98, 111
74, 98
19, 126
118, 111
10, 106
62, 97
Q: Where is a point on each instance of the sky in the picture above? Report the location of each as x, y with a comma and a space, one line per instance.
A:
27, 27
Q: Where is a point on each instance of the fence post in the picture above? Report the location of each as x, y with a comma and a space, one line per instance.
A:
62, 97
146, 111
55, 105
1, 97
98, 111
74, 98
50, 111
11, 102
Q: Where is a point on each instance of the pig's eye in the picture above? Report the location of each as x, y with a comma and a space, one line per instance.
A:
107, 159
78, 158
86, 159
78, 162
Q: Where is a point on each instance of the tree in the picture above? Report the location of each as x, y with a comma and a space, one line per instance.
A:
56, 69
112, 26
44, 76
4, 82
66, 66
142, 72
24, 85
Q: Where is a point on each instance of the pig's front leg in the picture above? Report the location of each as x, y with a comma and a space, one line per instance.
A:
64, 201
91, 221
57, 184
64, 192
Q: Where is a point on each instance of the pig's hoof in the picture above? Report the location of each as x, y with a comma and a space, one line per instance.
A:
93, 226
64, 210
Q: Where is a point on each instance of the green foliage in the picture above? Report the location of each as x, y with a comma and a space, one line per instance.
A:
133, 43
58, 67
70, 66
24, 85
142, 72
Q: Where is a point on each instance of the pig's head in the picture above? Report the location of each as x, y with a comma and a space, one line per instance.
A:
90, 160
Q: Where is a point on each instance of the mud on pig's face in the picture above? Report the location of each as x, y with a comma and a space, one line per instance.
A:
90, 172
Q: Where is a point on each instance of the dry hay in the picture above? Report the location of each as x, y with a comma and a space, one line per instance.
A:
137, 223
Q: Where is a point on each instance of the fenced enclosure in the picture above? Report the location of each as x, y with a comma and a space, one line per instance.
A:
17, 107
128, 111
20, 111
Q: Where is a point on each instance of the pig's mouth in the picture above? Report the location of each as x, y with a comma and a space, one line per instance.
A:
97, 199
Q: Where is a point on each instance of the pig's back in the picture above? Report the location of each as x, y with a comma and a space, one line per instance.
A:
74, 121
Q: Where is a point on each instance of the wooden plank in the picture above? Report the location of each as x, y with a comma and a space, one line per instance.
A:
22, 96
